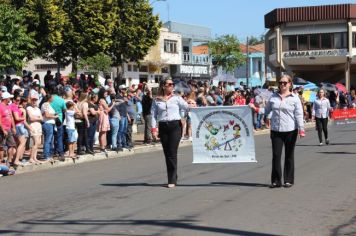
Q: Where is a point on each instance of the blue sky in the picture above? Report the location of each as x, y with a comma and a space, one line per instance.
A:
239, 17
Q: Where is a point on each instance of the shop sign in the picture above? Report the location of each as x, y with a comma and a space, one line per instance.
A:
316, 53
194, 70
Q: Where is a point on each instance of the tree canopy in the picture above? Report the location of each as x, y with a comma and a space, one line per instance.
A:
15, 43
66, 31
252, 40
136, 31
226, 52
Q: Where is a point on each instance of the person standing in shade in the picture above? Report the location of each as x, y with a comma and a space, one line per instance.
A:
285, 113
165, 111
147, 100
320, 114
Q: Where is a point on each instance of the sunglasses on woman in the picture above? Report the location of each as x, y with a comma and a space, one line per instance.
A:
283, 82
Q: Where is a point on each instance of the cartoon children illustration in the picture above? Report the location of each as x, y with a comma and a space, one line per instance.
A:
210, 127
237, 129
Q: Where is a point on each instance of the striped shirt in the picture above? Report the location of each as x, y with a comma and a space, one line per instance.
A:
286, 114
321, 108
169, 110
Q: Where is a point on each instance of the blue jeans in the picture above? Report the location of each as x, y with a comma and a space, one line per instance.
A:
114, 126
91, 134
122, 133
58, 140
48, 131
259, 121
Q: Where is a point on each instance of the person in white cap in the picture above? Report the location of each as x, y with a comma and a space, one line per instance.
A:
35, 118
7, 128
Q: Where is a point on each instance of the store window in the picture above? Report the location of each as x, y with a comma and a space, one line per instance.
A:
314, 41
272, 43
285, 43
135, 68
354, 40
303, 42
293, 42
340, 40
164, 70
143, 68
170, 46
326, 41
129, 67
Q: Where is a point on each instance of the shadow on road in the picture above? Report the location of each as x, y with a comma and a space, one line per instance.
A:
331, 144
212, 184
173, 224
348, 228
333, 153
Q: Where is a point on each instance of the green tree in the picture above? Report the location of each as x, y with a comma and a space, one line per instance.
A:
136, 31
49, 21
226, 52
252, 40
92, 26
15, 43
96, 64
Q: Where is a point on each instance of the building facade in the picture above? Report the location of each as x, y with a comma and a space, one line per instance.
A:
317, 43
40, 66
196, 59
156, 65
254, 69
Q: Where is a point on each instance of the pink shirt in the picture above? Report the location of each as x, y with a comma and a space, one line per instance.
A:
15, 109
6, 118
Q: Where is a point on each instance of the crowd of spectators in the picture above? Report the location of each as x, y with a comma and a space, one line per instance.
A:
65, 117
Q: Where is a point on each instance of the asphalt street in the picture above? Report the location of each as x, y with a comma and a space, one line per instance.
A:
124, 196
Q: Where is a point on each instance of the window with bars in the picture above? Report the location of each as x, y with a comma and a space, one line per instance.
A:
170, 46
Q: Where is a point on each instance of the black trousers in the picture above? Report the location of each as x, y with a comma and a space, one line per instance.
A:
322, 126
170, 134
82, 136
288, 140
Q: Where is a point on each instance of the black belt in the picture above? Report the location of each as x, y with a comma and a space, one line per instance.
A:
169, 121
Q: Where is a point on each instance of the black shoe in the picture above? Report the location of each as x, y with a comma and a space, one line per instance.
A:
62, 158
80, 153
90, 152
327, 142
288, 185
119, 149
275, 185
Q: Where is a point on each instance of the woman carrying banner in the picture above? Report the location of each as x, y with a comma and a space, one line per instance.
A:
320, 113
166, 111
285, 114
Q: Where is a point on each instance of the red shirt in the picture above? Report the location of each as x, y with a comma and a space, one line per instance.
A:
6, 117
240, 101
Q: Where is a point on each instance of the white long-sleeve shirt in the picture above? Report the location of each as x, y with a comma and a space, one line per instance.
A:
286, 114
321, 108
169, 110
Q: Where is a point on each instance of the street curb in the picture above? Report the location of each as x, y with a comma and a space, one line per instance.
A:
112, 155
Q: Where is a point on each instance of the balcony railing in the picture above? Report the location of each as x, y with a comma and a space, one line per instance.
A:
195, 59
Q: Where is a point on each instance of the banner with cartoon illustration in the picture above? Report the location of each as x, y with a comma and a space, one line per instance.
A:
222, 134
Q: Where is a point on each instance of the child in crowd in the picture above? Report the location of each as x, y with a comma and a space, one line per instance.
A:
71, 131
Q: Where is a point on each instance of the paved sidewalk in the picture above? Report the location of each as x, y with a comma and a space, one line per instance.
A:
138, 148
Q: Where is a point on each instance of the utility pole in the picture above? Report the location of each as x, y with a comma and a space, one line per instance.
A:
247, 64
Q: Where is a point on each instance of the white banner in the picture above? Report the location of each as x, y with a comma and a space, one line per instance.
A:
223, 134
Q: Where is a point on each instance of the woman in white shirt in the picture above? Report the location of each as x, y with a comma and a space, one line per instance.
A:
49, 121
166, 112
320, 113
35, 118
